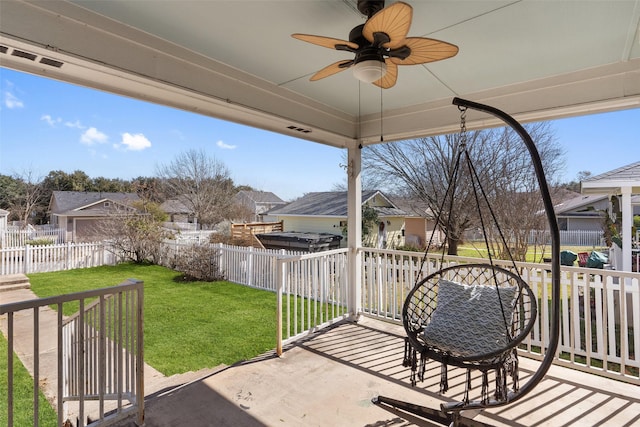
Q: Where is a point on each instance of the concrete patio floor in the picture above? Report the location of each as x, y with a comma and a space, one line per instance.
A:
330, 379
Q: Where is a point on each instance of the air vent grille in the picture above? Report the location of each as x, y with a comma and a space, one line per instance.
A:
31, 56
52, 62
23, 54
299, 129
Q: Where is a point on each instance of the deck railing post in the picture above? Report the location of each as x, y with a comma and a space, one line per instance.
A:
280, 268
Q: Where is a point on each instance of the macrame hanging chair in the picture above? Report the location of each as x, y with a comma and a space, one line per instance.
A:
474, 315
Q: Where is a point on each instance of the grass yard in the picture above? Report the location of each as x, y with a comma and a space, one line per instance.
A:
187, 325
23, 394
478, 250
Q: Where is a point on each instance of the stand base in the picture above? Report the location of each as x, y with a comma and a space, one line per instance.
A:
435, 415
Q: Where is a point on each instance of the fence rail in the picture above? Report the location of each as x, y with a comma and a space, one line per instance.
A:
98, 353
47, 258
592, 238
312, 293
14, 237
600, 309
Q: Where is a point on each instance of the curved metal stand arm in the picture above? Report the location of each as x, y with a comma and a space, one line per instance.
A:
451, 411
555, 252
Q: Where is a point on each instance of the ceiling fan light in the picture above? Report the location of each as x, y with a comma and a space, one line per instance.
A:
369, 71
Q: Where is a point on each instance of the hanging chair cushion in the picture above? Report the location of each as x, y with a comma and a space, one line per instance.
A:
468, 320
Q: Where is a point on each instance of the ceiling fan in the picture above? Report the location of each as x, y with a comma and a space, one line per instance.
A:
381, 44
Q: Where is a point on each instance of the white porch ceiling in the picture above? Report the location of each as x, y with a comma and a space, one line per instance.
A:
236, 60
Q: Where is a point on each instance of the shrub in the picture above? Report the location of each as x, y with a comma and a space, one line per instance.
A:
199, 263
43, 241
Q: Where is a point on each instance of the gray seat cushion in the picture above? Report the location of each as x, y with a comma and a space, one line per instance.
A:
468, 320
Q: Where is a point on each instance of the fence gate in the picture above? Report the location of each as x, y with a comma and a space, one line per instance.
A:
102, 359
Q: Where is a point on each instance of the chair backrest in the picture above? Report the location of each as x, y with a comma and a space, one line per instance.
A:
582, 258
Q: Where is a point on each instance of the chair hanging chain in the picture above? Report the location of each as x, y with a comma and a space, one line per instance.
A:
463, 127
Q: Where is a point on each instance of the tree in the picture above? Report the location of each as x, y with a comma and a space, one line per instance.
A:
148, 188
202, 183
424, 169
28, 196
9, 190
575, 184
135, 231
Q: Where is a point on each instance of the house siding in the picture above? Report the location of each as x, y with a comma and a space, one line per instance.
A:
587, 224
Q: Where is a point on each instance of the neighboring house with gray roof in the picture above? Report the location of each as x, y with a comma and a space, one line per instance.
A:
78, 212
326, 212
584, 212
179, 214
258, 203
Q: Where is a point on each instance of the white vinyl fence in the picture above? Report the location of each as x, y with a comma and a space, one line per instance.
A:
600, 309
41, 259
239, 264
591, 238
14, 237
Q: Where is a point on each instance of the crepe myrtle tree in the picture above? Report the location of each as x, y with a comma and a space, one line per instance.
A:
135, 231
423, 169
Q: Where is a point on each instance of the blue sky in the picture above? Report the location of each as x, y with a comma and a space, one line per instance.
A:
48, 125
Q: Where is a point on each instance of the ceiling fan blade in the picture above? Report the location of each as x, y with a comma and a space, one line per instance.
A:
330, 70
390, 77
394, 21
329, 42
425, 50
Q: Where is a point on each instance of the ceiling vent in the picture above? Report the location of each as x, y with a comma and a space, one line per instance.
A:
52, 62
23, 54
31, 56
299, 129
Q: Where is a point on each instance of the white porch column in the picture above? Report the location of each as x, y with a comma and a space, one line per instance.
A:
627, 223
354, 228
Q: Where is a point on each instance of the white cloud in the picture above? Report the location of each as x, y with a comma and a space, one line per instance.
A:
136, 142
11, 101
50, 120
224, 146
93, 136
75, 125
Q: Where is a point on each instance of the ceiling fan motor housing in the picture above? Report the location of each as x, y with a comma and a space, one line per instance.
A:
370, 7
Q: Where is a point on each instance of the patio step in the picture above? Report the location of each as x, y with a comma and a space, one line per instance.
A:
10, 282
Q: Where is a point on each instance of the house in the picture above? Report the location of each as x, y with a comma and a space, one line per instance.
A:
258, 203
584, 212
326, 212
180, 216
78, 212
419, 224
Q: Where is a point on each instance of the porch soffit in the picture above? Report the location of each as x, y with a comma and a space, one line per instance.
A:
534, 60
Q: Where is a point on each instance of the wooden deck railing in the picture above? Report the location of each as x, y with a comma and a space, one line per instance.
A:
245, 234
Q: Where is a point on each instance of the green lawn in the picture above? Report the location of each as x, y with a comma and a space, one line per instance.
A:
478, 250
23, 394
187, 325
